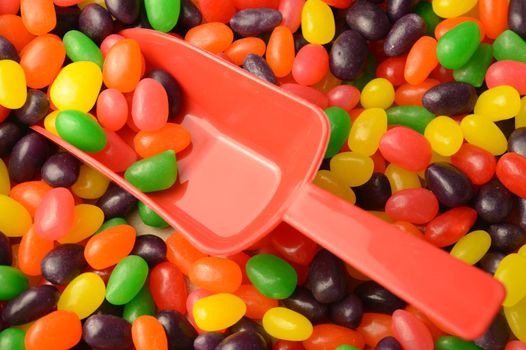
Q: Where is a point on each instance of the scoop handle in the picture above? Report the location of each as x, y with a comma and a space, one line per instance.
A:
457, 296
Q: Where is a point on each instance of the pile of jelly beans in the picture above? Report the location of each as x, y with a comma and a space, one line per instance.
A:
428, 132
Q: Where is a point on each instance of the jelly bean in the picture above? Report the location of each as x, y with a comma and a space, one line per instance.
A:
374, 193
34, 109
506, 237
327, 278
31, 251
344, 96
112, 109
310, 65
216, 11
361, 165
67, 18
490, 262
77, 86
5, 185
414, 117
61, 170
506, 73
476, 68
218, 311
472, 247
376, 298
10, 7
449, 8
107, 248
403, 34
13, 29
150, 105
122, 68
450, 99
317, 22
348, 55
378, 93
421, 60
458, 45
508, 273
148, 333
448, 24
496, 335
303, 302
448, 227
216, 274
13, 282
255, 21
272, 276
516, 142
62, 264
494, 16
368, 20
259, 67
451, 187
280, 51
141, 304
168, 287
398, 8
367, 131
58, 330
125, 12
55, 214
417, 206
83, 295
12, 84
50, 122
6, 255
241, 48
107, 332
126, 280
283, 323
509, 170
516, 19
415, 158
80, 47
329, 336
38, 16
30, 305
242, 340
189, 16
332, 183
12, 338
109, 42
90, 183
392, 69
479, 130
96, 22
88, 219
248, 325
214, 36
451, 342
493, 202
291, 13
172, 88
411, 95
292, 245
181, 253
27, 156
400, 178
347, 312
515, 345
340, 128
154, 173
162, 15
411, 332
208, 341
498, 103
179, 331
388, 343
444, 142
257, 304
509, 46
117, 155
151, 248
30, 194
308, 93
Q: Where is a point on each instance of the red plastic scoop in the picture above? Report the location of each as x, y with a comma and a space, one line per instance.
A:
255, 150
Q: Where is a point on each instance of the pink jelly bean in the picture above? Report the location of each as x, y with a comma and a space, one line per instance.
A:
416, 205
191, 300
507, 73
108, 43
117, 155
406, 148
311, 64
291, 13
515, 345
150, 105
112, 109
55, 214
411, 332
308, 93
344, 96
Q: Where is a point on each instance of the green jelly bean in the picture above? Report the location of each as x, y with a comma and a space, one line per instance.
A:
112, 222
340, 127
154, 173
80, 47
163, 14
456, 47
454, 343
272, 276
12, 339
425, 10
81, 130
509, 46
126, 280
414, 117
474, 71
141, 304
12, 282
368, 74
150, 217
346, 347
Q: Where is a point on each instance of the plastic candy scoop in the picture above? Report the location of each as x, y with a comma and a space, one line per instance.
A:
255, 150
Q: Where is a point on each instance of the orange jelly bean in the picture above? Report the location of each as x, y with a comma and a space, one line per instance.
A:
58, 330
330, 336
110, 246
13, 29
240, 49
123, 66
257, 304
38, 16
280, 51
421, 60
411, 95
181, 252
170, 137
30, 194
494, 16
216, 274
31, 251
148, 334
374, 327
449, 23
215, 37
42, 60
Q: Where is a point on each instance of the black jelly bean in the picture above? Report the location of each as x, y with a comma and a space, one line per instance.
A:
259, 67
517, 141
303, 302
95, 21
348, 56
493, 202
34, 109
247, 325
450, 185
10, 133
173, 90
31, 305
376, 298
403, 34
60, 170
107, 332
151, 248
491, 261
243, 340
67, 19
517, 17
181, 334
208, 341
116, 202
63, 263
388, 343
506, 237
496, 336
8, 50
126, 11
6, 256
452, 98
368, 20
28, 155
347, 312
373, 194
190, 15
327, 277
255, 21
397, 9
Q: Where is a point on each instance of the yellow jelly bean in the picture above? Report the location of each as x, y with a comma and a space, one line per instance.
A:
482, 132
218, 311
88, 219
520, 118
379, 93
5, 185
283, 323
353, 169
90, 184
367, 130
15, 220
510, 273
77, 86
317, 22
472, 247
331, 183
83, 295
13, 89
401, 179
49, 122
516, 317
85, 3
452, 8
499, 103
445, 135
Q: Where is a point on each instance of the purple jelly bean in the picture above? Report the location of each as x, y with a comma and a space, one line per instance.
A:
151, 248
173, 90
491, 261
496, 336
28, 155
242, 340
397, 9
30, 305
368, 20
255, 21
8, 50
107, 332
506, 238
373, 194
403, 34
95, 21
493, 202
109, 309
259, 67
299, 41
376, 298
348, 55
67, 19
181, 334
208, 341
347, 312
247, 325
190, 15
517, 17
327, 277
126, 11
303, 302
6, 256
517, 141
10, 133
63, 263
451, 98
116, 202
521, 211
61, 170
34, 109
450, 185
388, 343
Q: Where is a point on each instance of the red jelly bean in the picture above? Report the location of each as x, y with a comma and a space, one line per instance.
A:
411, 95
168, 287
181, 253
494, 16
288, 345
9, 7
442, 74
280, 51
170, 137
58, 330
507, 73
4, 113
515, 345
392, 69
416, 205
511, 168
291, 13
257, 304
112, 109
308, 93
311, 64
214, 37
150, 105
216, 274
123, 66
292, 245
39, 16
248, 4
476, 163
31, 251
411, 332
110, 246
241, 48
13, 29
344, 96
421, 60
329, 336
374, 327
55, 214
108, 43
30, 194
406, 148
217, 11
449, 227
117, 154
433, 329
